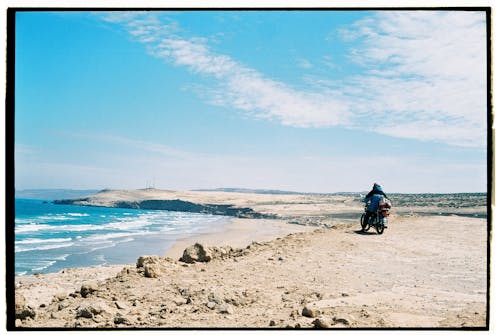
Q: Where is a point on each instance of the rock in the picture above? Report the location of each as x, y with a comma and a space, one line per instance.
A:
346, 320
88, 288
142, 260
153, 267
272, 323
211, 304
216, 297
59, 297
21, 310
152, 270
92, 310
310, 311
226, 309
121, 305
20, 301
179, 301
85, 312
25, 312
120, 319
196, 253
321, 323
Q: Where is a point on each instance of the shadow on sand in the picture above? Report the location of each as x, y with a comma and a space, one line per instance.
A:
361, 232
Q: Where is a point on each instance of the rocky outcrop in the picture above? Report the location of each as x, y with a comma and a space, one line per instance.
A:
152, 266
201, 253
174, 205
196, 253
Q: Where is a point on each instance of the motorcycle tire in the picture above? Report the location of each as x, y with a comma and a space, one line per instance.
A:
379, 228
364, 225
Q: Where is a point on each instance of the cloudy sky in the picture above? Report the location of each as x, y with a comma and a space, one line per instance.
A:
315, 101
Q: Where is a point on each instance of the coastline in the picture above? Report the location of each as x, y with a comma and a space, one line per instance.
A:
313, 267
328, 277
40, 288
239, 233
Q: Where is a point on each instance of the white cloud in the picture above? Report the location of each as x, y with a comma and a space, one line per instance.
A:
424, 76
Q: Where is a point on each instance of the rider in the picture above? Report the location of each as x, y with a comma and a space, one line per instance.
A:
373, 198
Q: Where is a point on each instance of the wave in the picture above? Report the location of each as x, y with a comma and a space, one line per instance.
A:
43, 265
41, 240
46, 227
43, 247
78, 214
115, 236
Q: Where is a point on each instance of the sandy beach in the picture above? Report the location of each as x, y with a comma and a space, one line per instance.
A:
423, 271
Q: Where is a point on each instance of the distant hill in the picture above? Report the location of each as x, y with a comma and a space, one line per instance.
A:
53, 194
247, 190
262, 191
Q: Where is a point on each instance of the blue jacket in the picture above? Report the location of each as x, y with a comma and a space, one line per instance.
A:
373, 202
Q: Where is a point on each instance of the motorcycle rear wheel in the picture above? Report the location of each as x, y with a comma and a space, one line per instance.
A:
379, 228
364, 225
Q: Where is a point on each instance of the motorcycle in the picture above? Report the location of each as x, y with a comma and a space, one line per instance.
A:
378, 220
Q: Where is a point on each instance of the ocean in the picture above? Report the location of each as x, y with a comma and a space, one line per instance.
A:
49, 237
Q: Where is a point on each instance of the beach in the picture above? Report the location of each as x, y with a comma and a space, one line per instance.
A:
311, 267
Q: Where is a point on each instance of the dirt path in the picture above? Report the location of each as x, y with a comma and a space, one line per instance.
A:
422, 272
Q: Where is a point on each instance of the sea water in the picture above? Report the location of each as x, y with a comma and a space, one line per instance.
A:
51, 237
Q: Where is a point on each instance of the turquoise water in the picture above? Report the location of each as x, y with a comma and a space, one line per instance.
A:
51, 237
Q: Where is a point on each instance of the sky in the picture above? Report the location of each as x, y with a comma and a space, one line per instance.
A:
311, 101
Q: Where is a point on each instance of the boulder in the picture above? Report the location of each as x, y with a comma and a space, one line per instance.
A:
196, 253
152, 270
153, 267
142, 260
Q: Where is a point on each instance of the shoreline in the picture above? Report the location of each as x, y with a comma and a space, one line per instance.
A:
237, 233
328, 277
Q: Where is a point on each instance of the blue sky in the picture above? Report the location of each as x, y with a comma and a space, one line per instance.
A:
316, 101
